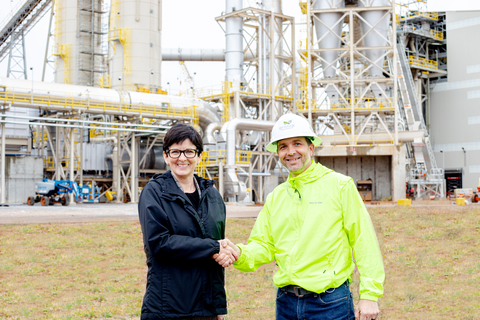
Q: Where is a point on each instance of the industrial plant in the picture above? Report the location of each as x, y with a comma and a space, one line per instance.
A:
386, 86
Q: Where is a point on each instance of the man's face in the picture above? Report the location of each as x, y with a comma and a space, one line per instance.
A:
295, 154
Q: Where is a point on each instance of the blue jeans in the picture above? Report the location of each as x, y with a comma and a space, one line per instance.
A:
334, 304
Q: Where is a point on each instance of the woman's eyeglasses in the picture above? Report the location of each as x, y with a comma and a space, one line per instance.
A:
189, 153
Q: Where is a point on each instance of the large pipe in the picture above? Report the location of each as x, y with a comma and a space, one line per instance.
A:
207, 114
228, 135
234, 44
64, 97
191, 54
208, 137
229, 129
195, 54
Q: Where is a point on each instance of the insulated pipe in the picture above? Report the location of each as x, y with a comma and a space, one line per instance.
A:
208, 137
64, 97
228, 134
191, 54
329, 39
234, 44
207, 114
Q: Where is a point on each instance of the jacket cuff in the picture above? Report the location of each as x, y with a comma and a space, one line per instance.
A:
366, 296
242, 257
216, 247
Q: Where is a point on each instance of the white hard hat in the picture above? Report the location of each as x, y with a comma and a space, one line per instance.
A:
291, 125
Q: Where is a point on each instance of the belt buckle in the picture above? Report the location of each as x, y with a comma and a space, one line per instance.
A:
295, 291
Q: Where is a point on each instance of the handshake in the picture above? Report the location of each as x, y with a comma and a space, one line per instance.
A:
229, 253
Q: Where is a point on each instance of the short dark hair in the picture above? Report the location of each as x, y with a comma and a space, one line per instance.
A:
181, 132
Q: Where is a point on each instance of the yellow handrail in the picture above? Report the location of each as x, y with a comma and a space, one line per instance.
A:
422, 62
261, 90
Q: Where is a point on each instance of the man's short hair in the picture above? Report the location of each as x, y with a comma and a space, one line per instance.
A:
181, 132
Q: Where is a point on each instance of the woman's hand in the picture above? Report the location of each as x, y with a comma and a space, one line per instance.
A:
228, 254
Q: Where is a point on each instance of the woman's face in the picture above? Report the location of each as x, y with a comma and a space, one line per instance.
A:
182, 167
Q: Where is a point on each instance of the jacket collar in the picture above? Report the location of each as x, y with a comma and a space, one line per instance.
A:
314, 172
168, 183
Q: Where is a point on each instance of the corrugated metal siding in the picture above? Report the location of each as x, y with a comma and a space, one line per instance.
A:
94, 156
21, 175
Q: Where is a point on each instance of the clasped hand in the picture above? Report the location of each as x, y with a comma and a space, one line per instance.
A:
229, 253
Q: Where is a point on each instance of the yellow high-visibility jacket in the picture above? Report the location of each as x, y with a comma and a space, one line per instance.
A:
310, 224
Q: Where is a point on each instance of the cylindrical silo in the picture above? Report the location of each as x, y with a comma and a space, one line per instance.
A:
135, 26
81, 41
376, 37
329, 39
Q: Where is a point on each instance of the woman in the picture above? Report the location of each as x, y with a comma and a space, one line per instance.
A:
183, 220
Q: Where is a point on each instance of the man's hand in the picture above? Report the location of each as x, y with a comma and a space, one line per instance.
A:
366, 310
220, 317
227, 255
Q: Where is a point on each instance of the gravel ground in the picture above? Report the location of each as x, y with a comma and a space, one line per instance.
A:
85, 212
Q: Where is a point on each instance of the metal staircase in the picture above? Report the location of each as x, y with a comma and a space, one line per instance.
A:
425, 177
412, 109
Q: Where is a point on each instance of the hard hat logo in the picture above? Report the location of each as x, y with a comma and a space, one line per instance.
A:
287, 125
291, 125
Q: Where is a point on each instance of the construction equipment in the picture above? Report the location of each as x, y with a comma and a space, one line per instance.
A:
49, 192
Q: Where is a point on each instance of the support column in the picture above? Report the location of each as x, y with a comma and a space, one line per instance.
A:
81, 156
58, 163
72, 163
2, 200
133, 171
260, 180
220, 178
398, 173
119, 168
236, 104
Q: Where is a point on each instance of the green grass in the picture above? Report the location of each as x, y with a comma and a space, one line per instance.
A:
97, 270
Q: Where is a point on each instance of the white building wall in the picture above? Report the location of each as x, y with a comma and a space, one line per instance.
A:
455, 105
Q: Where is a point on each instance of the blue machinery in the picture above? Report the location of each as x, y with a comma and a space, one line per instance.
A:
49, 192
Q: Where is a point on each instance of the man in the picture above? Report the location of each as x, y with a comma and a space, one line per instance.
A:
311, 224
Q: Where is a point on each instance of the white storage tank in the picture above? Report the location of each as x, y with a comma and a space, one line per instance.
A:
138, 55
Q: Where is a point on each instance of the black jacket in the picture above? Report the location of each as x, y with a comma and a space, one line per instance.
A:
183, 280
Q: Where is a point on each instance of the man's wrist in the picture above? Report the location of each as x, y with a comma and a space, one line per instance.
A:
366, 296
